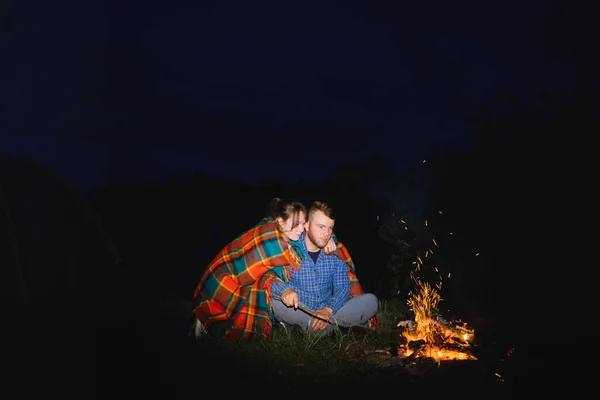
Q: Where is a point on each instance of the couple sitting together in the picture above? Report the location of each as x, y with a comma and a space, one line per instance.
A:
289, 268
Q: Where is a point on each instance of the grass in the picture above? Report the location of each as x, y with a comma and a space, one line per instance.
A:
346, 354
158, 357
292, 352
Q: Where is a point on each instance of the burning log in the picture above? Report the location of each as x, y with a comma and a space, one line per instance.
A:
413, 365
429, 335
437, 339
438, 329
409, 324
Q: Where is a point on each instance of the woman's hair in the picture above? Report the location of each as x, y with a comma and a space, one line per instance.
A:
286, 209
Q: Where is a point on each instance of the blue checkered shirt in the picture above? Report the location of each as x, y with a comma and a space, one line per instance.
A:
322, 284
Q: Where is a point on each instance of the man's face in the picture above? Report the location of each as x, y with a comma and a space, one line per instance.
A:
319, 229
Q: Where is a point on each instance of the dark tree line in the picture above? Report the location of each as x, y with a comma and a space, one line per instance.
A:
168, 231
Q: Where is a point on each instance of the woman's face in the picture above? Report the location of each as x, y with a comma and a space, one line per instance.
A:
293, 233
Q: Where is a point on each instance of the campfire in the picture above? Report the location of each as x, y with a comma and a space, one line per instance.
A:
429, 334
428, 339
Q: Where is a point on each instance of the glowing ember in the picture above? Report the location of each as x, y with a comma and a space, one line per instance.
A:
437, 354
430, 335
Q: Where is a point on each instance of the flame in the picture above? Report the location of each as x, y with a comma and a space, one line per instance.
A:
438, 354
431, 335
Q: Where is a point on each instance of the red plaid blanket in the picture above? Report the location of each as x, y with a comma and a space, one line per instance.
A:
230, 299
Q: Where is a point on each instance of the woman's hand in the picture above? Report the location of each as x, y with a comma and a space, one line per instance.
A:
330, 246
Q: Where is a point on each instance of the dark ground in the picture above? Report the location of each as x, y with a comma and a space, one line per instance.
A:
152, 357
166, 363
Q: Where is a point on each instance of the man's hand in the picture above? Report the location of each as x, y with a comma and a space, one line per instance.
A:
330, 246
289, 297
321, 318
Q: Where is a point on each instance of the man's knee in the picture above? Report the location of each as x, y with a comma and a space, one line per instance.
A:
371, 301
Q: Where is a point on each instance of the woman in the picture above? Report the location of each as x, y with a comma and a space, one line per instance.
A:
229, 299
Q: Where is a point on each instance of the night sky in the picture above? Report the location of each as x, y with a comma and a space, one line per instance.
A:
106, 91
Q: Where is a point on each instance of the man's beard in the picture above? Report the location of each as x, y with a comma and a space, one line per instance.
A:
315, 241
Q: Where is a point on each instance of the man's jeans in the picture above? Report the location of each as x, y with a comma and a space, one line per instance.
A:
357, 311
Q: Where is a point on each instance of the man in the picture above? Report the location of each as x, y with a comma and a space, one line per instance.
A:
323, 285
